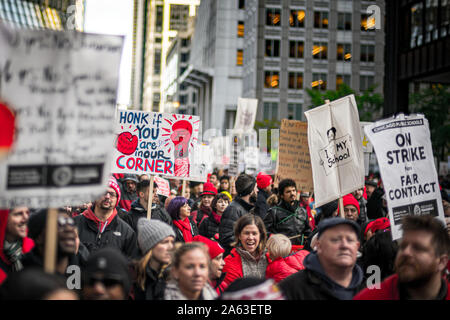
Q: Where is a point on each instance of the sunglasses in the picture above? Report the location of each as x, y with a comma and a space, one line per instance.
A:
108, 282
66, 221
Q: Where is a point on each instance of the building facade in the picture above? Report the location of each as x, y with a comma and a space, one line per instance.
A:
43, 14
298, 44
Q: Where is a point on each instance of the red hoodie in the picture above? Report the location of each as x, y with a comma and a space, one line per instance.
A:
101, 225
27, 244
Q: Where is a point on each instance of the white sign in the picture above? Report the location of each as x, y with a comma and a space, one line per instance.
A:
366, 147
335, 147
246, 114
405, 156
202, 164
163, 186
62, 87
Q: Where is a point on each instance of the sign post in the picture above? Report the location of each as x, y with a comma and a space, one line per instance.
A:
150, 198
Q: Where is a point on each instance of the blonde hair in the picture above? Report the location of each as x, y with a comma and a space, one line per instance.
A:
141, 269
279, 245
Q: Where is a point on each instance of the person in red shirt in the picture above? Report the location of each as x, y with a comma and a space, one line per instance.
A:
420, 264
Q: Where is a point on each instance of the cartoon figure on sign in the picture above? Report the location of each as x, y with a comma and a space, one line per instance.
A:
181, 135
7, 129
127, 143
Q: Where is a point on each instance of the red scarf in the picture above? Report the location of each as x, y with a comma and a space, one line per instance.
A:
185, 227
216, 217
100, 224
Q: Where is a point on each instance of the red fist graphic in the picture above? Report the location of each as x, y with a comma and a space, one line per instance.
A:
127, 143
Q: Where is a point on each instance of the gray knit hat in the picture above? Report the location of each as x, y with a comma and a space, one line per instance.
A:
150, 232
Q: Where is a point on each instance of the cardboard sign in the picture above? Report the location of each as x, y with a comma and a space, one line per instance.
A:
163, 186
62, 87
405, 156
155, 143
335, 147
293, 155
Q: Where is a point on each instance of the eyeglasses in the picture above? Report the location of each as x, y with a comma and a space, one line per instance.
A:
63, 221
111, 194
108, 282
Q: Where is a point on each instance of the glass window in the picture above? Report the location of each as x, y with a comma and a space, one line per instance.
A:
344, 52
320, 50
295, 111
159, 18
321, 19
240, 57
273, 17
272, 48
157, 62
270, 111
367, 53
297, 19
342, 79
319, 81
295, 80
367, 24
240, 29
365, 82
241, 4
271, 79
296, 49
344, 21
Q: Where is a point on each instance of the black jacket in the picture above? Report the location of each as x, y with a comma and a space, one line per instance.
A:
179, 233
232, 213
117, 234
137, 211
375, 205
209, 227
261, 206
288, 220
313, 284
155, 285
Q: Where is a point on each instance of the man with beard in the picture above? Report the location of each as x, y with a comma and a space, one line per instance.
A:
247, 191
99, 226
140, 206
420, 264
288, 217
70, 251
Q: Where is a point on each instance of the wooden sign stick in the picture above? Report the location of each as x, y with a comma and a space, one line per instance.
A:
183, 189
51, 237
150, 198
341, 207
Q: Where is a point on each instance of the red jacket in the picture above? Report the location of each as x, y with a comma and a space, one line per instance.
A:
232, 268
388, 291
27, 245
281, 268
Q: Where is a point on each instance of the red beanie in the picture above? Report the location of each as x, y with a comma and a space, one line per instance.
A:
349, 199
214, 247
378, 224
208, 188
263, 180
112, 183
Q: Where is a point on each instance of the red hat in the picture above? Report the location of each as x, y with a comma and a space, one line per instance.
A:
378, 224
263, 180
349, 199
208, 188
112, 183
214, 247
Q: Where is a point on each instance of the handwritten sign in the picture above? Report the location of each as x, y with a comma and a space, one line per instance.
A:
163, 186
293, 155
245, 115
155, 143
366, 147
62, 87
404, 153
335, 147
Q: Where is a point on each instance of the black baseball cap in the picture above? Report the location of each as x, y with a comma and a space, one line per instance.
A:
335, 221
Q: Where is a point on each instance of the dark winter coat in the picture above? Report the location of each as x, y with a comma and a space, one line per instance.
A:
313, 284
288, 220
261, 206
232, 213
155, 285
137, 211
117, 234
362, 218
201, 214
375, 205
179, 233
209, 228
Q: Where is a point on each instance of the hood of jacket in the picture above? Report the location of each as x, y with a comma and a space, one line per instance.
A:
27, 243
312, 263
247, 206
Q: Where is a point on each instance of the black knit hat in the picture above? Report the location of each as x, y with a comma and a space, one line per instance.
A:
37, 223
110, 263
328, 208
245, 184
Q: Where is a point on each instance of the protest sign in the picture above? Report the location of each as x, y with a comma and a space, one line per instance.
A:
163, 186
245, 115
155, 143
62, 88
202, 163
366, 147
335, 148
405, 156
293, 155
235, 155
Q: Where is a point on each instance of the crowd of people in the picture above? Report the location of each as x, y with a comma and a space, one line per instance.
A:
228, 238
